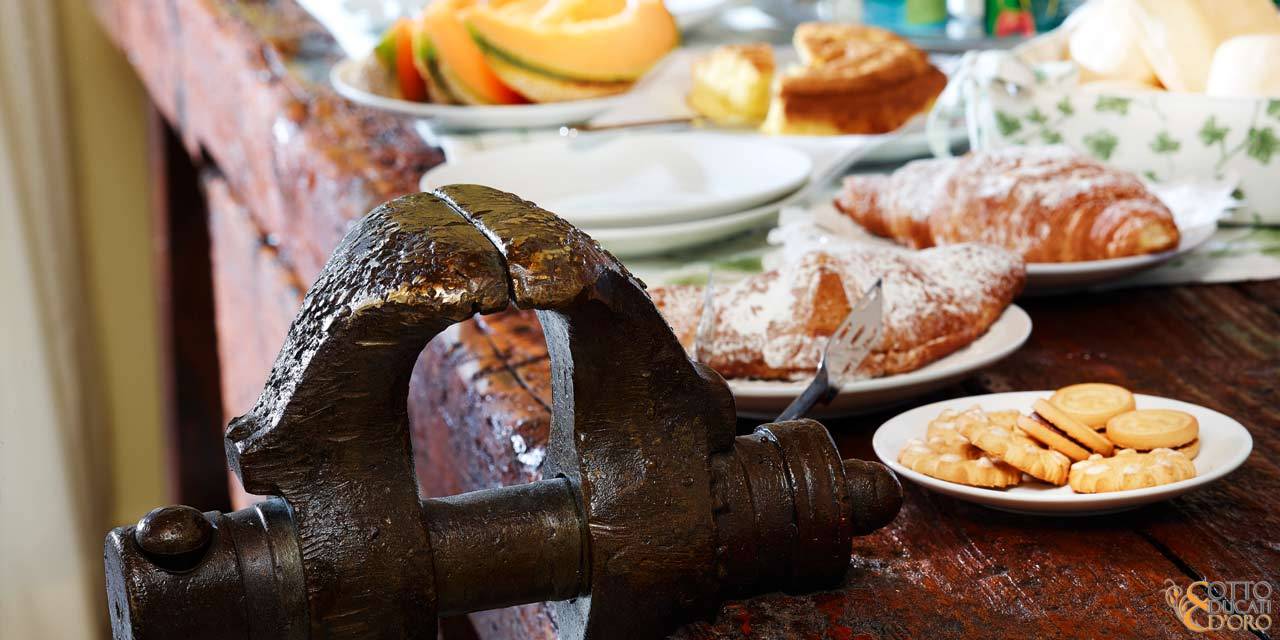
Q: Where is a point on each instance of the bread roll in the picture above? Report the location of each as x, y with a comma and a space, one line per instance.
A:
1179, 37
1106, 45
1246, 66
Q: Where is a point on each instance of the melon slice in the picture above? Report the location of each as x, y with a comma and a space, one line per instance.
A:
395, 53
385, 50
460, 64
428, 64
543, 88
568, 11
575, 41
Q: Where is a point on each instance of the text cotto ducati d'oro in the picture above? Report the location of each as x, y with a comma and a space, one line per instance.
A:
1235, 605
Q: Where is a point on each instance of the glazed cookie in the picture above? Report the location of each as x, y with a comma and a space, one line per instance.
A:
1147, 429
970, 466
1129, 469
1093, 403
1014, 448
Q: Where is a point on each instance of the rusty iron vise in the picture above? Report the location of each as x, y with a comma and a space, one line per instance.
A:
651, 511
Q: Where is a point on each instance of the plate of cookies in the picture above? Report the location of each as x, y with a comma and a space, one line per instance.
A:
1085, 449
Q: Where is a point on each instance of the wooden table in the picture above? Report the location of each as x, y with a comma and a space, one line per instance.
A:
285, 165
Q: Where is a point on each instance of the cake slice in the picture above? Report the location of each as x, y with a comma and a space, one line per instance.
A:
731, 84
854, 79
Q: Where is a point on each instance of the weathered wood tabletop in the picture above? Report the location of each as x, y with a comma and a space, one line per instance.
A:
292, 164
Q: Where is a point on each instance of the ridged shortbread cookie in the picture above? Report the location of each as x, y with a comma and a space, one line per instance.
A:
1129, 469
945, 427
1014, 448
967, 465
1007, 418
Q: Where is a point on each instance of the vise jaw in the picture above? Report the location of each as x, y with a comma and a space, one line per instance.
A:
651, 510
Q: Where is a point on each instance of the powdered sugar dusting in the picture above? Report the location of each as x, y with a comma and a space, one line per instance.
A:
1049, 204
774, 325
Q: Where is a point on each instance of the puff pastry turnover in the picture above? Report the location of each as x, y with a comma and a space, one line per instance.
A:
774, 325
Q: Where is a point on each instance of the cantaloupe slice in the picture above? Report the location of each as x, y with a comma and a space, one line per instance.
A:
569, 11
461, 65
543, 88
428, 64
576, 40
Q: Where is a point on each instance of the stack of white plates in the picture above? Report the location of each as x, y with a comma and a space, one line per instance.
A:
644, 194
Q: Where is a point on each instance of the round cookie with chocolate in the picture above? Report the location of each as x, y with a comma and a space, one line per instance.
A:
1148, 429
1062, 433
1093, 403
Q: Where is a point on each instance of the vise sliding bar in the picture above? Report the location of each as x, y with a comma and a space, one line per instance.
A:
651, 511
492, 548
502, 547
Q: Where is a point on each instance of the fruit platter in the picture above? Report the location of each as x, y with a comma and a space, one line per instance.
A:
511, 63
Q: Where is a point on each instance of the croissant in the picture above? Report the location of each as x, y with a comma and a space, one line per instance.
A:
774, 325
1048, 204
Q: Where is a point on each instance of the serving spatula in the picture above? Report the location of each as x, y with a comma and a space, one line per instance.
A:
847, 347
707, 321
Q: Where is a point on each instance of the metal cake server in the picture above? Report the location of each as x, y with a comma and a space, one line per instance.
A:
707, 321
847, 347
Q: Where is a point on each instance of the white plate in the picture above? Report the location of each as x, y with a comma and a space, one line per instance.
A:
636, 180
462, 118
766, 398
631, 242
910, 145
1047, 277
1224, 445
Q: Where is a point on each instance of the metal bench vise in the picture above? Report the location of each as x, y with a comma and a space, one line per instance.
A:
651, 510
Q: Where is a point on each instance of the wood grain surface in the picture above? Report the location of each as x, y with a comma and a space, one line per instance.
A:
950, 569
243, 81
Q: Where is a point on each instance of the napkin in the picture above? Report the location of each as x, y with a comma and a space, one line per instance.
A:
1233, 254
